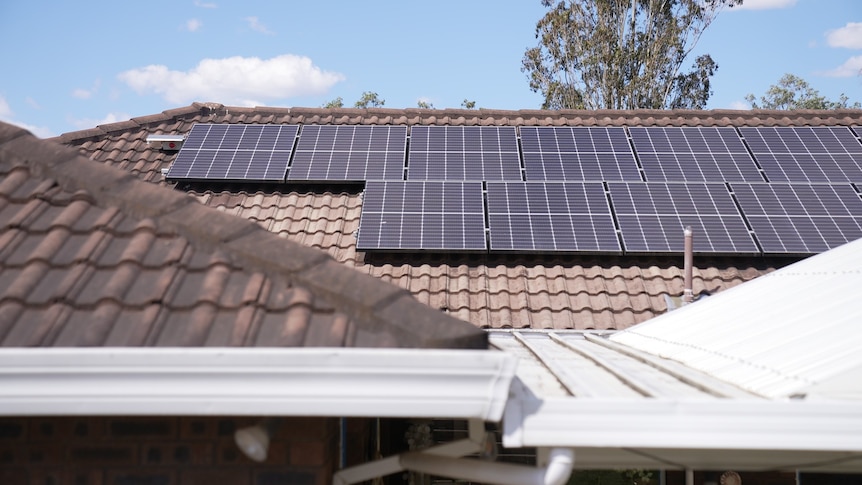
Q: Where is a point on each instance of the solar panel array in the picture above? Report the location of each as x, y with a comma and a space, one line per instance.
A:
235, 152
550, 216
479, 153
350, 153
806, 154
578, 153
693, 154
770, 190
422, 215
653, 215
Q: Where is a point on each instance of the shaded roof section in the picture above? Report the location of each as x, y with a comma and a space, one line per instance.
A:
91, 256
512, 291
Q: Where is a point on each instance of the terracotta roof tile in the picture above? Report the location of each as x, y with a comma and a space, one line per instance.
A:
92, 257
491, 292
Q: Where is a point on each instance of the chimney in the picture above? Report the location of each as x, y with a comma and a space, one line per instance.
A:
687, 295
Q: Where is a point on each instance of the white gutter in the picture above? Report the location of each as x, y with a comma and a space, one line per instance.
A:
465, 384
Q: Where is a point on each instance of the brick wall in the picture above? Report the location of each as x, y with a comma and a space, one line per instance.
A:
169, 451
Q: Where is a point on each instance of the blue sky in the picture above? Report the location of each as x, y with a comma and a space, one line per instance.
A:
75, 65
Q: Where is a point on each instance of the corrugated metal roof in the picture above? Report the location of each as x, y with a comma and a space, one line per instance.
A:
794, 332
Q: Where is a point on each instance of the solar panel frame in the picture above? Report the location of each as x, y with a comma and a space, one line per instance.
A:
810, 154
693, 154
349, 153
653, 215
420, 215
577, 153
235, 152
466, 153
541, 216
799, 218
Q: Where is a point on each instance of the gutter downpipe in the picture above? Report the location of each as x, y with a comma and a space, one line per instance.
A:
557, 472
688, 263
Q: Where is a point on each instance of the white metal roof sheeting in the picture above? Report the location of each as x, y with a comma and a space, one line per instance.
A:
792, 333
584, 364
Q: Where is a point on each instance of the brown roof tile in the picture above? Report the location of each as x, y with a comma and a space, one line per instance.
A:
491, 292
92, 257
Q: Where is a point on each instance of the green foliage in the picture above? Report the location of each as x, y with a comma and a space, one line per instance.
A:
622, 54
424, 104
467, 104
370, 100
335, 103
793, 92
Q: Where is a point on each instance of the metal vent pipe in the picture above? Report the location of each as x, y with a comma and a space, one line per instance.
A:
688, 263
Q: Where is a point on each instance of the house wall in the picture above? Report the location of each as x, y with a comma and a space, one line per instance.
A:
170, 451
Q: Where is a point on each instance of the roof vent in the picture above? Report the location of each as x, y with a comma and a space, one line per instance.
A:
170, 143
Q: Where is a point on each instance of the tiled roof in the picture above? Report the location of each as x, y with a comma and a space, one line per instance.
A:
513, 291
91, 256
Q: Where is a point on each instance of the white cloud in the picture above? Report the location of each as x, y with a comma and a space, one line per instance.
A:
201, 4
254, 24
849, 36
7, 115
234, 80
193, 25
739, 105
764, 4
84, 123
851, 67
82, 93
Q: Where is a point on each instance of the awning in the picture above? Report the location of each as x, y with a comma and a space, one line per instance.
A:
618, 407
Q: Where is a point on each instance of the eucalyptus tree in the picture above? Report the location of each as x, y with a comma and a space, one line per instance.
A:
622, 54
793, 92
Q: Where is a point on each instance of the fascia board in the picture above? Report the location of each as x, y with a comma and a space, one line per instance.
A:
255, 381
721, 424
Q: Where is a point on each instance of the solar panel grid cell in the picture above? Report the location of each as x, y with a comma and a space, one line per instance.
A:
550, 216
468, 153
693, 154
577, 154
806, 154
422, 215
349, 153
801, 218
235, 152
652, 217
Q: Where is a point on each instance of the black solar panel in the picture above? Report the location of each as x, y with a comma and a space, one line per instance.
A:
349, 153
235, 152
422, 215
550, 216
693, 154
653, 215
806, 154
577, 153
463, 153
801, 218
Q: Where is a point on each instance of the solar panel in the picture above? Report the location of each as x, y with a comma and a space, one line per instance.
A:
577, 153
422, 215
806, 154
801, 218
550, 216
463, 153
235, 152
349, 153
653, 215
693, 154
